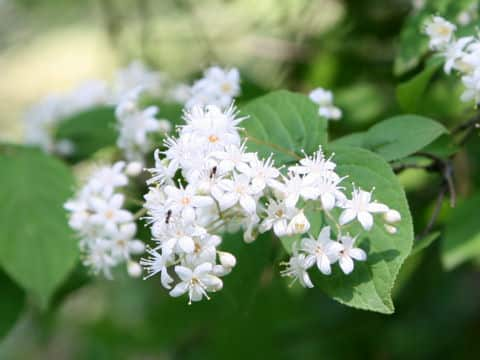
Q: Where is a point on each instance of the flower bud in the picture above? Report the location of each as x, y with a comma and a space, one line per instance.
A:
391, 229
134, 168
392, 216
136, 247
226, 259
299, 224
134, 269
220, 270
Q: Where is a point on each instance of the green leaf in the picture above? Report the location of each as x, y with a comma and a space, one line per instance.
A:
283, 123
462, 234
89, 131
12, 304
410, 93
355, 139
402, 135
370, 285
37, 248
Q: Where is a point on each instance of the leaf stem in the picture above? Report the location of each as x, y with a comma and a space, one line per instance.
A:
272, 145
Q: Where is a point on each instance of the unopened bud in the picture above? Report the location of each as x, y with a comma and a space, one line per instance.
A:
391, 229
392, 216
134, 168
134, 269
227, 259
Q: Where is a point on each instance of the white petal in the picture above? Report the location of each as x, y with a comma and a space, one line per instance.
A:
248, 203
184, 273
323, 264
366, 219
305, 280
165, 279
358, 254
328, 201
201, 201
179, 289
346, 216
346, 264
187, 244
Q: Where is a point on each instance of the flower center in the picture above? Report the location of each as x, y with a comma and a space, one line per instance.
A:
109, 214
213, 138
185, 201
226, 87
279, 213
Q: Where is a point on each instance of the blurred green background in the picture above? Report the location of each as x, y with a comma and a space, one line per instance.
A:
348, 46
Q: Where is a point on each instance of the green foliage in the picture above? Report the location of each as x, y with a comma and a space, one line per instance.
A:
411, 92
402, 135
462, 234
89, 131
425, 242
369, 286
283, 123
37, 248
11, 305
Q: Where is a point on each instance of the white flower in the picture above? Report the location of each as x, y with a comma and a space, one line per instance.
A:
99, 257
236, 190
472, 87
315, 166
329, 191
211, 127
361, 207
231, 157
134, 75
323, 250
106, 179
297, 268
161, 173
292, 188
183, 201
218, 87
324, 98
454, 51
348, 253
109, 213
196, 282
278, 216
157, 263
440, 32
261, 172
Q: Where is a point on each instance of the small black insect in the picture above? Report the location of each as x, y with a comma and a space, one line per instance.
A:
169, 215
213, 172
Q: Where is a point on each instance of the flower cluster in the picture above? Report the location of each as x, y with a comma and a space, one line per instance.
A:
106, 230
324, 98
205, 182
460, 54
43, 117
137, 74
135, 125
217, 87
